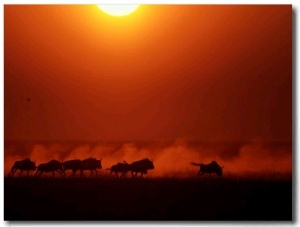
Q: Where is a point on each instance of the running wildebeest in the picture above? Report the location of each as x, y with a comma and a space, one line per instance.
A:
122, 168
210, 168
91, 164
141, 166
23, 165
52, 166
73, 165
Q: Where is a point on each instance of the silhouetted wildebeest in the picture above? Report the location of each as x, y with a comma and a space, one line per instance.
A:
91, 164
141, 166
73, 165
23, 165
122, 168
210, 168
52, 166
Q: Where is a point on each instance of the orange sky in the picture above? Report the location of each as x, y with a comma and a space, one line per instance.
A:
211, 73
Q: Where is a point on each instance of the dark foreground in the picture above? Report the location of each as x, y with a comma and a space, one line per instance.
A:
147, 199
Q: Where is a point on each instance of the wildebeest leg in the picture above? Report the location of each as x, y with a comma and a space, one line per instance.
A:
81, 173
53, 174
61, 173
17, 170
39, 173
27, 173
9, 174
12, 171
200, 173
134, 174
21, 173
74, 171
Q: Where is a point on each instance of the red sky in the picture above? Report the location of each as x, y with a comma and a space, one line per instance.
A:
211, 73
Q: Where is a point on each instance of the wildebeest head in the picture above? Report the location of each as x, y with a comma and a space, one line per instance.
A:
31, 166
147, 163
98, 163
217, 167
219, 171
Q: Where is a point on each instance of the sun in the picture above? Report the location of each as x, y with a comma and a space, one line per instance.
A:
118, 10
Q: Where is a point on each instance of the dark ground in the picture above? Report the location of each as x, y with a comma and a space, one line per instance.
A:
147, 199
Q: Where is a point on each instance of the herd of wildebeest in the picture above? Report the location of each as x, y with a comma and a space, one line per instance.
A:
137, 168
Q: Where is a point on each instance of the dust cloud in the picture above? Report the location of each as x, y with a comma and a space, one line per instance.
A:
170, 158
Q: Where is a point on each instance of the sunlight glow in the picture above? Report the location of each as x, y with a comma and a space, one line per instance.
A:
118, 10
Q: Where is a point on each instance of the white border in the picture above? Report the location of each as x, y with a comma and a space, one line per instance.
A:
295, 4
2, 105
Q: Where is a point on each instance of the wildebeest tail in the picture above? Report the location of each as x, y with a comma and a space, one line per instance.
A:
107, 169
195, 164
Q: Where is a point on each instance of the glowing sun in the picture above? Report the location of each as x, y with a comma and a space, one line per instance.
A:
118, 10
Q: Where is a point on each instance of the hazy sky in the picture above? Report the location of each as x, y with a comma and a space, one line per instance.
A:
164, 72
